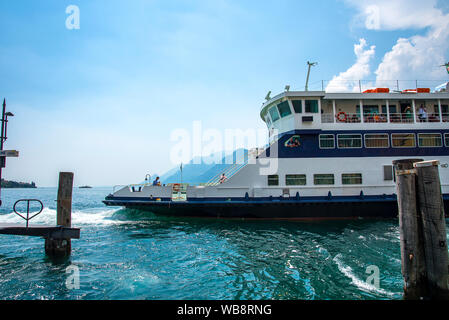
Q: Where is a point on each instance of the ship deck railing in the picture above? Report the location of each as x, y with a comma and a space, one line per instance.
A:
394, 118
229, 173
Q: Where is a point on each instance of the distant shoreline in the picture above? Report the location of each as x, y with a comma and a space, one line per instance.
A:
17, 185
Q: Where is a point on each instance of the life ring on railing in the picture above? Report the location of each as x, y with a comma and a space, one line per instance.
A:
342, 116
176, 187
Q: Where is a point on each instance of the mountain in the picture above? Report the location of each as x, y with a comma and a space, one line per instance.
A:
194, 173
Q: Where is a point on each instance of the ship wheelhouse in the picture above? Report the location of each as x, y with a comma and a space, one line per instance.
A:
314, 110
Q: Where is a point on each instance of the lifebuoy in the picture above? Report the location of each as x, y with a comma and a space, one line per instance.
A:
342, 119
176, 187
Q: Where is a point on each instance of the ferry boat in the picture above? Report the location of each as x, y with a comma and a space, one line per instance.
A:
333, 154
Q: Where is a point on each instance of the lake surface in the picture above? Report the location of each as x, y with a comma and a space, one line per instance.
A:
127, 254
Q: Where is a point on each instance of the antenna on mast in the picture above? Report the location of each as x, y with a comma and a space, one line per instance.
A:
310, 64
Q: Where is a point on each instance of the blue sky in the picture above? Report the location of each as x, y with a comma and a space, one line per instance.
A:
102, 101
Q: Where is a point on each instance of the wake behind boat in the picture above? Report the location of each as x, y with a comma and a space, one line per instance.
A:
332, 154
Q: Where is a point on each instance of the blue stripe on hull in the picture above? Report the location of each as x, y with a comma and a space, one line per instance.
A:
309, 147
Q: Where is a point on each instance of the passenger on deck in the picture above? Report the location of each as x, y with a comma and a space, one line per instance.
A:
157, 182
422, 114
408, 113
223, 178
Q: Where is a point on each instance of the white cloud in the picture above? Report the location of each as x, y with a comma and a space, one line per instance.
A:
414, 58
397, 14
417, 57
348, 80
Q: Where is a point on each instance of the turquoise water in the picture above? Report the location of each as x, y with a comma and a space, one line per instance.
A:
127, 254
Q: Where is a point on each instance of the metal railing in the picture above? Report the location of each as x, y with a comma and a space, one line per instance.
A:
359, 86
229, 173
401, 117
117, 186
344, 117
382, 118
375, 118
432, 117
445, 117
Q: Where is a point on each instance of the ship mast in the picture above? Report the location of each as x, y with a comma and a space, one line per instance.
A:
310, 64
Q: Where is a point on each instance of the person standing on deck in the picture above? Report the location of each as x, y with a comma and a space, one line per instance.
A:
223, 178
422, 114
408, 113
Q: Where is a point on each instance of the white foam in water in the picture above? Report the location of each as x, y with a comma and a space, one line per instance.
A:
362, 285
48, 217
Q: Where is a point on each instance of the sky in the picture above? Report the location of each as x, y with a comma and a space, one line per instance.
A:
103, 100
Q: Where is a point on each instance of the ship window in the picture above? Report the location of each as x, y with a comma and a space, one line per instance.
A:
349, 141
446, 139
370, 109
274, 114
284, 109
320, 179
351, 178
273, 180
377, 140
268, 120
297, 105
392, 108
429, 140
312, 106
327, 141
403, 140
295, 180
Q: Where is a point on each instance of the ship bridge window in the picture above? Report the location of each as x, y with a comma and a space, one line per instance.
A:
323, 179
297, 105
273, 180
327, 141
274, 114
295, 180
284, 109
403, 140
427, 140
311, 106
351, 178
379, 140
349, 141
267, 119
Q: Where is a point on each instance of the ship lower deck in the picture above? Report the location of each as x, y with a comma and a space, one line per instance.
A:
310, 208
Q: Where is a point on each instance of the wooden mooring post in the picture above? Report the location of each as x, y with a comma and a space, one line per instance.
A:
57, 238
62, 247
424, 251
